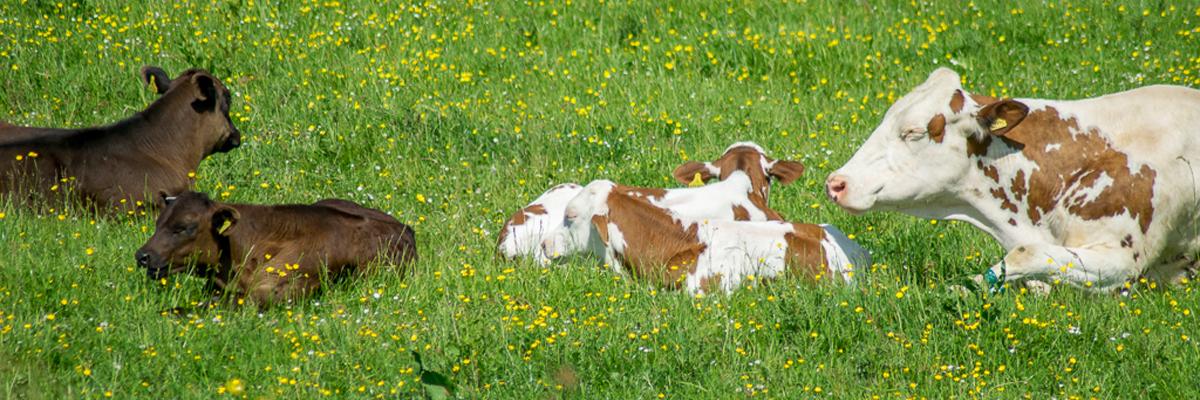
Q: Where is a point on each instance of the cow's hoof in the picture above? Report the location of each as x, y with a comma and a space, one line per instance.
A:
1038, 287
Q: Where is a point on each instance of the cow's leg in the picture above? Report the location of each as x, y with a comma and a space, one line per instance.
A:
1094, 268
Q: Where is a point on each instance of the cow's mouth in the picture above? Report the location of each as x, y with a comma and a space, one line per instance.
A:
232, 142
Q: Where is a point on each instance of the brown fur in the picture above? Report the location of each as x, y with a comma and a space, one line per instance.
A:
956, 102
308, 243
657, 249
121, 164
937, 128
749, 160
806, 257
1078, 164
741, 213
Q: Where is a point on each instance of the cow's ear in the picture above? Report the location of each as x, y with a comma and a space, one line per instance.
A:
156, 78
691, 172
600, 223
223, 219
206, 92
1001, 116
786, 171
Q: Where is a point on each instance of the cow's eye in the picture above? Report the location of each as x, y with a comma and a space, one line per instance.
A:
913, 134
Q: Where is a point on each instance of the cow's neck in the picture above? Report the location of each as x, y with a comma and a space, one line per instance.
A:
170, 130
986, 201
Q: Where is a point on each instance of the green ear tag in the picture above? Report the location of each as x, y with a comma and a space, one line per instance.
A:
696, 181
225, 227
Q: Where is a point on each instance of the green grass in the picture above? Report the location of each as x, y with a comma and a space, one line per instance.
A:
477, 108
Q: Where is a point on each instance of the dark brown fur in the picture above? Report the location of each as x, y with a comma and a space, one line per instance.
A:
120, 164
274, 253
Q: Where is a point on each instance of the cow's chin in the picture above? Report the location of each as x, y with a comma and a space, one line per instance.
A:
856, 206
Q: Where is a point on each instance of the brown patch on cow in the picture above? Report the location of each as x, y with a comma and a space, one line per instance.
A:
1012, 222
956, 102
1128, 241
740, 213
937, 128
1005, 203
1019, 189
805, 256
648, 193
1082, 157
522, 215
1136, 256
978, 147
519, 218
657, 249
750, 161
601, 224
711, 284
990, 171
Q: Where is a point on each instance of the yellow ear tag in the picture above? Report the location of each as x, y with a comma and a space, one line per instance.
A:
154, 83
998, 124
696, 181
225, 227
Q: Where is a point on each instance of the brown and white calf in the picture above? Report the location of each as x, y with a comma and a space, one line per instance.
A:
117, 165
745, 173
1092, 192
272, 253
652, 243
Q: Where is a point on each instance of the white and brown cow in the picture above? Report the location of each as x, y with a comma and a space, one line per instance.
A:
651, 243
1091, 192
745, 173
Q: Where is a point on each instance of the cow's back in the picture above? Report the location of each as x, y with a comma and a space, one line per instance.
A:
360, 233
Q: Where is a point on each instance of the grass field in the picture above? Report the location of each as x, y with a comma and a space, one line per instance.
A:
450, 115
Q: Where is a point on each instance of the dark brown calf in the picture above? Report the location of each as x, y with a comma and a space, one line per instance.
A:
117, 165
272, 253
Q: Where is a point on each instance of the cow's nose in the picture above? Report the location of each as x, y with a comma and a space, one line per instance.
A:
143, 259
835, 186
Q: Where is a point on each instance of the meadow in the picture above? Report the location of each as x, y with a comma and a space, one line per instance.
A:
451, 115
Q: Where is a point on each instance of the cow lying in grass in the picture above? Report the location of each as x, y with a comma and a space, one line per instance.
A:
1092, 192
117, 165
655, 244
745, 173
272, 253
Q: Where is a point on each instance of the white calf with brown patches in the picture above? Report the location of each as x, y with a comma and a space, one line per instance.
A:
653, 244
524, 232
745, 173
1092, 192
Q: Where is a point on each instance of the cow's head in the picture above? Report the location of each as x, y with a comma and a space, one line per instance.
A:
187, 233
747, 157
579, 229
922, 149
204, 99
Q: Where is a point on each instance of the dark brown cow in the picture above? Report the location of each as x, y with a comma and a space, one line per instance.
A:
152, 151
272, 253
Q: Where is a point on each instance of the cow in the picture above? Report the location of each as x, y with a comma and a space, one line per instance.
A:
649, 242
271, 254
114, 167
742, 198
1093, 192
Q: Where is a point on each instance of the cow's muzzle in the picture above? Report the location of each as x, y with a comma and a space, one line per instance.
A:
154, 265
232, 142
